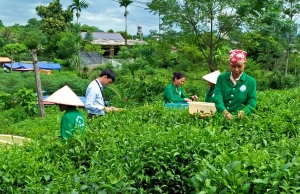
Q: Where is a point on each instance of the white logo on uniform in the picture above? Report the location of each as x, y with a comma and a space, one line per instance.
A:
243, 88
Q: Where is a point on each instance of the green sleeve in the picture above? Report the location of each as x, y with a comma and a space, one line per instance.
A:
183, 95
207, 97
170, 97
218, 98
251, 98
65, 128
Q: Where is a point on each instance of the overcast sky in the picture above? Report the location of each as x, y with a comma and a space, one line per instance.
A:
104, 14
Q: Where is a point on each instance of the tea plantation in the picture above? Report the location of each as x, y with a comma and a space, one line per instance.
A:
152, 149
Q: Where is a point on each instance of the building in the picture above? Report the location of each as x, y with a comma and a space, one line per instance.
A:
111, 42
4, 60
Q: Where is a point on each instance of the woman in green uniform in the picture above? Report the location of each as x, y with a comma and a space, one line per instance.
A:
173, 93
235, 91
211, 79
72, 121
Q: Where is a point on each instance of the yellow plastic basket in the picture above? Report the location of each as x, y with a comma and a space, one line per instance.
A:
13, 139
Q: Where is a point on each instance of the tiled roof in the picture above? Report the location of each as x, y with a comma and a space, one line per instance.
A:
104, 36
118, 42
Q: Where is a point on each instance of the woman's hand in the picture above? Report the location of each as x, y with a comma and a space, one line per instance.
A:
241, 114
110, 109
187, 100
194, 97
227, 115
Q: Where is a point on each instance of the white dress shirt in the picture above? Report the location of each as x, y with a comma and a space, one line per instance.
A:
94, 99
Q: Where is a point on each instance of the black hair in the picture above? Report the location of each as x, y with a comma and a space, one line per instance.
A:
109, 73
177, 75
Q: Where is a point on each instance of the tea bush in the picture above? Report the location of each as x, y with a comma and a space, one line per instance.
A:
153, 149
12, 82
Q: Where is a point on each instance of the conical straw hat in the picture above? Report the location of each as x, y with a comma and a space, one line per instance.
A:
212, 77
65, 96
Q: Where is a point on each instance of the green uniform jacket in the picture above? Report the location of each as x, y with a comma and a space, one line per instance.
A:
171, 95
209, 97
71, 121
241, 96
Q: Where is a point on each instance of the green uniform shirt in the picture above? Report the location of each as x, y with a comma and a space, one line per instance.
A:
209, 97
241, 96
171, 95
71, 121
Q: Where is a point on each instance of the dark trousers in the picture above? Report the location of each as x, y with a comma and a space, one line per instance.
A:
90, 116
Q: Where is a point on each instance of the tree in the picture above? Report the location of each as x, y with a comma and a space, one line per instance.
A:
78, 5
87, 28
273, 21
88, 38
125, 3
14, 49
67, 45
1, 24
125, 34
204, 23
34, 41
291, 10
94, 48
8, 35
54, 18
33, 23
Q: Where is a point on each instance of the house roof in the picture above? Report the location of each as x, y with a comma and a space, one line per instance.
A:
118, 42
110, 38
104, 36
4, 60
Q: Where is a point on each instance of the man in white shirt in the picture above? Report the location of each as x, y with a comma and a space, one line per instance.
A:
95, 103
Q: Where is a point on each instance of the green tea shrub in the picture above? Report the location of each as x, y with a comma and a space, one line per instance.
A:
13, 115
62, 62
12, 82
154, 149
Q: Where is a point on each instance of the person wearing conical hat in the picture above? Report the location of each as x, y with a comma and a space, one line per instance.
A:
211, 79
235, 91
72, 121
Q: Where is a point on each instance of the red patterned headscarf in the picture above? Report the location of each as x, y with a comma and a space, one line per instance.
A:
237, 56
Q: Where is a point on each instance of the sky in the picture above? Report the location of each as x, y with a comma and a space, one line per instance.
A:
104, 14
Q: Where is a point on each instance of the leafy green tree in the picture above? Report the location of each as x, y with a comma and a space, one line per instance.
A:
204, 23
67, 45
291, 10
33, 23
93, 48
8, 35
34, 40
53, 18
110, 30
125, 35
125, 3
1, 24
88, 38
87, 28
78, 5
274, 22
14, 49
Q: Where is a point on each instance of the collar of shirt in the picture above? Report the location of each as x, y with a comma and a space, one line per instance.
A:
235, 80
101, 86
